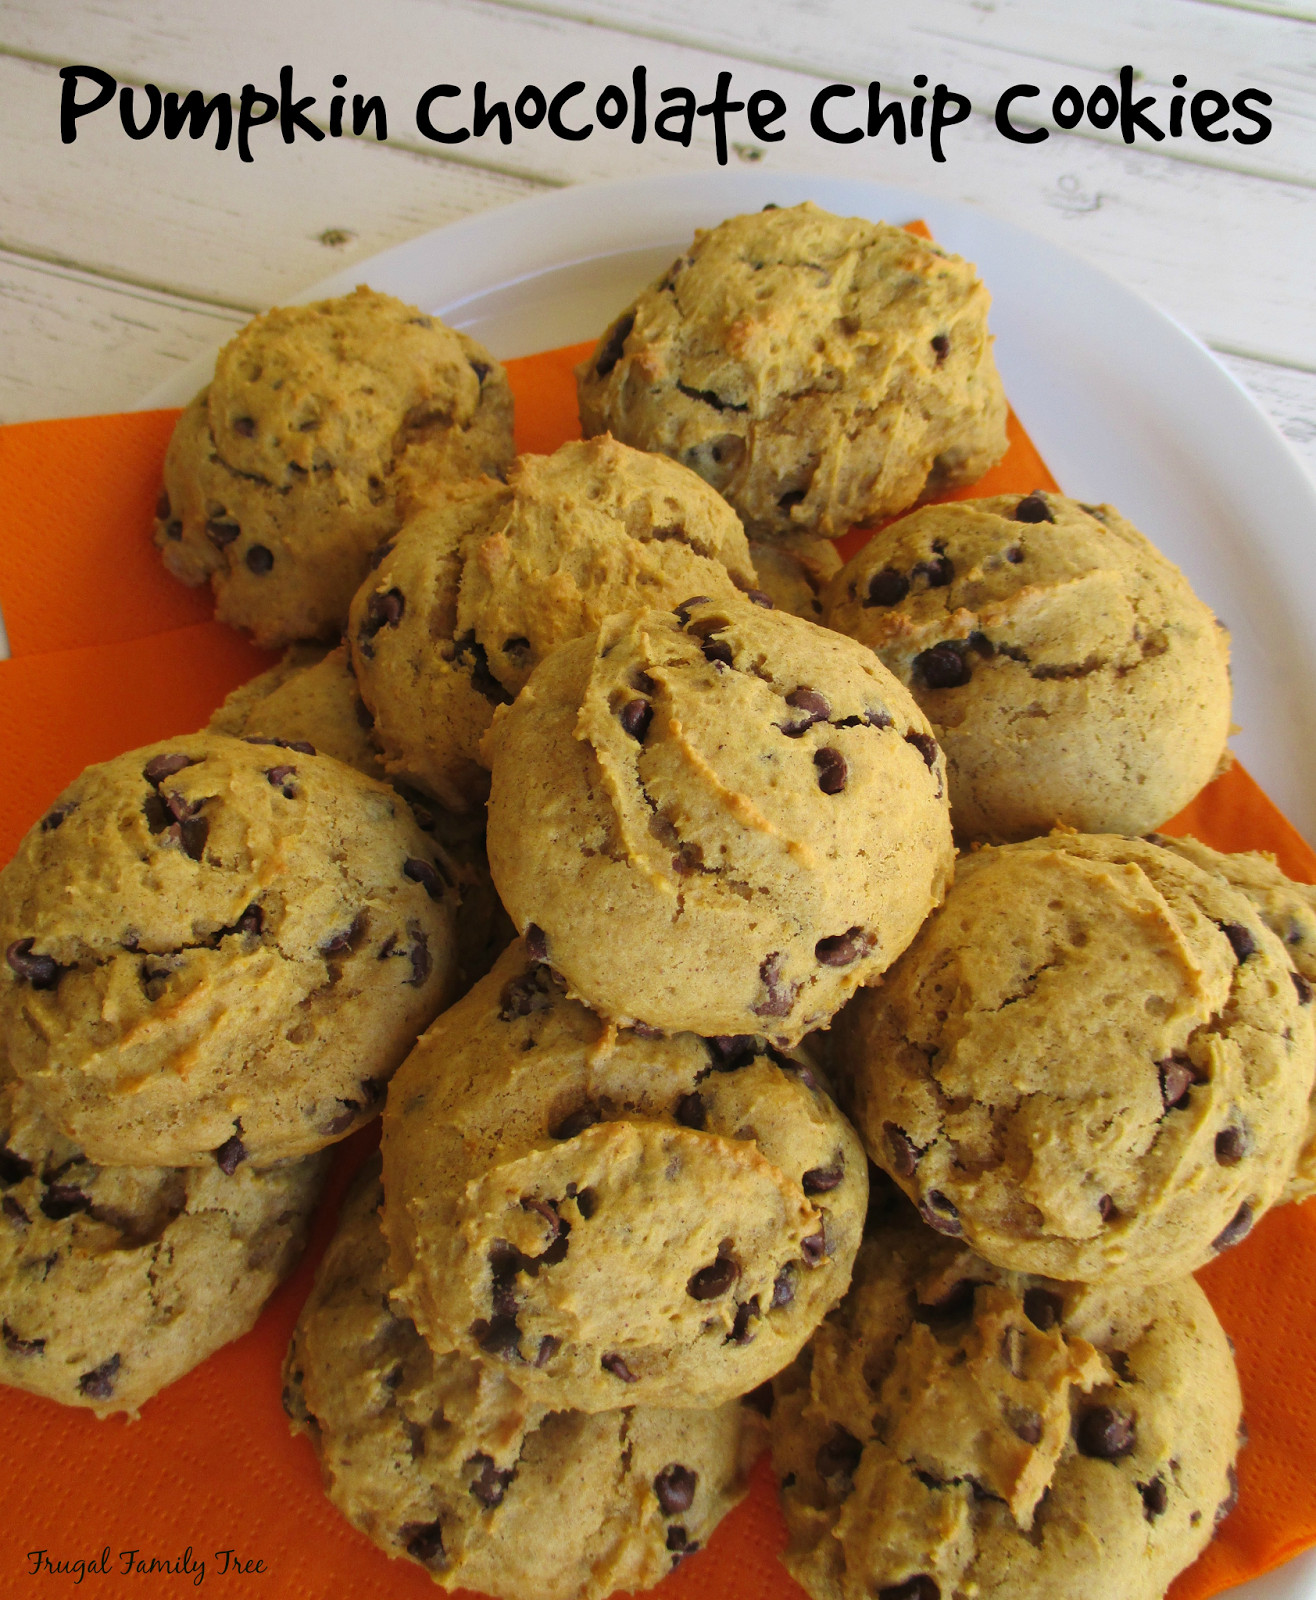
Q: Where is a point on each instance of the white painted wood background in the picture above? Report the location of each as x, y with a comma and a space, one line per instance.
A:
121, 260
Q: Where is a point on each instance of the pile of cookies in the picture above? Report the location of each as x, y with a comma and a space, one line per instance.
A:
600, 827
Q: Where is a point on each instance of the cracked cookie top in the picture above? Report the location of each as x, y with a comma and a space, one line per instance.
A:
816, 370
1093, 1062
722, 819
219, 949
953, 1429
486, 579
114, 1281
1068, 669
609, 1216
288, 469
442, 1459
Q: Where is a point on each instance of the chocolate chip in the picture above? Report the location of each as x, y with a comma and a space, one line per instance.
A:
1014, 555
481, 369
260, 560
718, 652
614, 342
1177, 1078
1106, 1206
1105, 1433
614, 1364
635, 717
222, 534
887, 588
1238, 1227
1025, 1423
63, 1200
424, 873
713, 1280
158, 768
840, 949
526, 994
1155, 1498
820, 1180
421, 962
42, 972
926, 746
940, 1213
53, 819
423, 1542
919, 1587
675, 1488
536, 942
230, 1155
548, 1348
15, 1212
576, 1122
812, 706
814, 1248
1044, 1308
13, 1167
1230, 1500
758, 597
944, 666
1032, 508
939, 569
682, 612
734, 1050
192, 834
299, 745
746, 1312
98, 1384
490, 1482
1231, 1145
246, 426
783, 1287
839, 1455
941, 344
780, 997
691, 1111
385, 610
498, 1337
470, 654
1240, 940
833, 770
277, 777
22, 1347
904, 1152
680, 1543
1300, 984
346, 939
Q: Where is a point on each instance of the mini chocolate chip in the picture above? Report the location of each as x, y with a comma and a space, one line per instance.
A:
614, 342
1238, 1227
421, 962
481, 369
1155, 1498
734, 1050
1014, 555
691, 1111
614, 1364
904, 1152
1106, 1206
576, 1122
940, 1213
944, 666
814, 1248
839, 1455
526, 994
1231, 1145
840, 949
424, 873
490, 1482
926, 746
682, 612
1300, 984
192, 835
230, 1155
61, 1200
680, 1543
746, 1312
42, 972
757, 597
98, 1384
718, 652
1105, 1433
635, 717
1025, 1423
1044, 1308
783, 1287
345, 939
22, 1347
1230, 1500
300, 745
833, 769
276, 777
260, 559
15, 1212
53, 819
1032, 508
813, 707
919, 1587
423, 1541
499, 1337
887, 588
941, 344
820, 1180
222, 533
939, 569
1177, 1078
158, 768
548, 1348
713, 1280
246, 426
386, 610
13, 1167
252, 920
780, 997
1240, 940
536, 942
675, 1488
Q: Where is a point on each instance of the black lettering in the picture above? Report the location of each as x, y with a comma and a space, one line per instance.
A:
291, 118
485, 116
718, 108
1204, 120
35, 1556
129, 120
1103, 106
944, 115
1177, 105
531, 107
336, 106
765, 107
611, 107
371, 110
879, 115
227, 1554
248, 118
440, 91
195, 111
1243, 105
916, 106
70, 108
676, 122
1067, 107
818, 119
555, 121
127, 1557
1132, 112
1018, 91
639, 86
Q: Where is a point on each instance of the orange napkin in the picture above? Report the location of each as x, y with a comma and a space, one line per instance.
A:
110, 653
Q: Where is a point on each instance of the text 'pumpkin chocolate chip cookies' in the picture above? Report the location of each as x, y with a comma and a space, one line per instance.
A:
114, 1281
613, 1218
722, 820
219, 950
957, 1430
816, 370
443, 1460
287, 470
1069, 671
486, 579
1093, 1061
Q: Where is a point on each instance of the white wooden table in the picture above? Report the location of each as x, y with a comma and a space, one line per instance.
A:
121, 260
